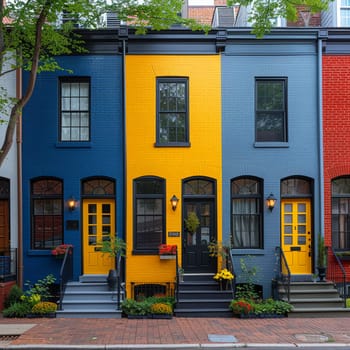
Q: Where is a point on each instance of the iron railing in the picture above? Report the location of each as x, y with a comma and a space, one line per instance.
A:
66, 272
228, 264
8, 265
337, 274
283, 272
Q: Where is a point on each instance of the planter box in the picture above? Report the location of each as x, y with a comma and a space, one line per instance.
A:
167, 257
50, 315
162, 316
246, 316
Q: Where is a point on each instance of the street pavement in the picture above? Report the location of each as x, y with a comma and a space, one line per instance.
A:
176, 333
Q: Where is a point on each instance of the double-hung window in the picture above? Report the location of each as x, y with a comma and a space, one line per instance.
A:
172, 112
246, 206
344, 13
341, 213
149, 219
47, 213
75, 109
271, 110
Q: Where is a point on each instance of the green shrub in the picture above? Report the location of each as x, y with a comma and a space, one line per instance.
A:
13, 297
44, 307
41, 287
161, 308
18, 310
133, 307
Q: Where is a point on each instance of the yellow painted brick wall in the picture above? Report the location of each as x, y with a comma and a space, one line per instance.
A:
202, 158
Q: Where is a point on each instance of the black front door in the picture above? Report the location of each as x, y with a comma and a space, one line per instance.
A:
195, 244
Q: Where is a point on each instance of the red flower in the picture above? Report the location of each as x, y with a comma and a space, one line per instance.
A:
60, 249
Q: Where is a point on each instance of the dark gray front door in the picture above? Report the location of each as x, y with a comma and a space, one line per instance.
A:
195, 244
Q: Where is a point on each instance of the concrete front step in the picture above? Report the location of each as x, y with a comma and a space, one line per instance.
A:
89, 295
317, 302
319, 313
203, 303
205, 294
89, 305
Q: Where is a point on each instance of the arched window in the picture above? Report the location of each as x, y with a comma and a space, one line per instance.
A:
47, 213
341, 213
246, 206
97, 187
149, 221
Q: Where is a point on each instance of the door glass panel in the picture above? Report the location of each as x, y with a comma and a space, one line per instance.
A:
92, 230
106, 230
288, 229
92, 219
106, 219
301, 229
288, 219
301, 207
301, 240
92, 240
288, 240
301, 218
288, 208
92, 208
106, 208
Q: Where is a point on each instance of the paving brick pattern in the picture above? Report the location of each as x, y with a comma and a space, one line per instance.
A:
180, 330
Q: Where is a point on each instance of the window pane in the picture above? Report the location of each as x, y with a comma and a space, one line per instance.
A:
246, 213
172, 99
149, 216
270, 109
47, 216
341, 213
75, 114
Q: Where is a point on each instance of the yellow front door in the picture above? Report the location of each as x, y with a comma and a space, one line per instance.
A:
296, 234
98, 225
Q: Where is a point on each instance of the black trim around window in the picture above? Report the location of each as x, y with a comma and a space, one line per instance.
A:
247, 212
74, 109
271, 117
149, 214
172, 102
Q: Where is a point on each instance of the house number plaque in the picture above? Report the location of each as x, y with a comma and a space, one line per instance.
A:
173, 234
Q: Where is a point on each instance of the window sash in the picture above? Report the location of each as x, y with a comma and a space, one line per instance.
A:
75, 109
172, 111
149, 214
341, 223
270, 110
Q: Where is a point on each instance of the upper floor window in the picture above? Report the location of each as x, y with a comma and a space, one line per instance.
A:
271, 110
246, 206
75, 109
341, 213
149, 219
344, 13
47, 213
172, 111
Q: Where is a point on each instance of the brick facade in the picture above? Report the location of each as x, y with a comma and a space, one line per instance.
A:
336, 126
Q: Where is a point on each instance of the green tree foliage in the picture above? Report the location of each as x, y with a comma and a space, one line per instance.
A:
31, 35
263, 13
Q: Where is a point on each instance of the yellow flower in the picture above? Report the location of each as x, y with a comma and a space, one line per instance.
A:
224, 274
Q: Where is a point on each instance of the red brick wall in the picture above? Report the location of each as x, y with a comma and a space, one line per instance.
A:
4, 291
336, 127
203, 14
314, 20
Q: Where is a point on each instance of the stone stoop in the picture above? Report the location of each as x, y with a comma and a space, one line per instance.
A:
314, 299
200, 296
90, 298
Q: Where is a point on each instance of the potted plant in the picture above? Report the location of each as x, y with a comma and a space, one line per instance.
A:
224, 276
161, 310
114, 247
321, 258
191, 222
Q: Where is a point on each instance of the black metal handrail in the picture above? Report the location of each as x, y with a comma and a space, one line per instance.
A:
118, 264
66, 272
284, 275
8, 264
337, 274
177, 267
230, 267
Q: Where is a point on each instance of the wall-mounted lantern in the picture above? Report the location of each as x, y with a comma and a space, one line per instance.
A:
271, 201
174, 200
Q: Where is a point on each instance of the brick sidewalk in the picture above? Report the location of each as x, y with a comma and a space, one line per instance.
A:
181, 331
